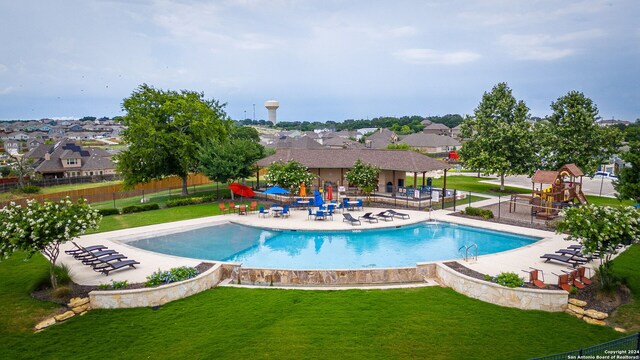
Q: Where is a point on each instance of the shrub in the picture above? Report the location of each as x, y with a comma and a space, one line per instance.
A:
139, 208
119, 284
104, 286
185, 201
485, 213
106, 212
166, 277
608, 280
63, 274
27, 189
509, 279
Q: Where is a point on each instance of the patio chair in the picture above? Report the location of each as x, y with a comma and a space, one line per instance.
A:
330, 213
310, 213
320, 215
350, 219
563, 259
223, 208
384, 216
573, 279
563, 282
359, 204
104, 259
253, 207
397, 214
347, 206
113, 266
262, 212
285, 211
79, 249
534, 277
232, 207
242, 210
368, 217
582, 275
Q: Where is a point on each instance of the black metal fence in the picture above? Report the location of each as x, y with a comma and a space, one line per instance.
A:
623, 348
6, 187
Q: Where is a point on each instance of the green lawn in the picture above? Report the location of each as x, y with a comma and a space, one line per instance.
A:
628, 265
226, 323
58, 188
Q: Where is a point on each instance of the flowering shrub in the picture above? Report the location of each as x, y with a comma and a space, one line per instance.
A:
166, 277
364, 176
42, 227
288, 175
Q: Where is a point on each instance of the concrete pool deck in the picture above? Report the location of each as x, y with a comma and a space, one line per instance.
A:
514, 260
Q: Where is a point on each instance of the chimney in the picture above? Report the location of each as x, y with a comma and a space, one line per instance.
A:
47, 156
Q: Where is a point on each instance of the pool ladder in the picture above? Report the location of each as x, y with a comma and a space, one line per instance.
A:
466, 251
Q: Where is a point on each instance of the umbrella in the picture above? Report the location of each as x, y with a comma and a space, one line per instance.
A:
276, 190
317, 201
242, 190
330, 192
303, 190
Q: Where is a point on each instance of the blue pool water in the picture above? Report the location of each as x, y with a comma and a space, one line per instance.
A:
287, 249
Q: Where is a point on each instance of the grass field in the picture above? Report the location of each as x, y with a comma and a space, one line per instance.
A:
227, 323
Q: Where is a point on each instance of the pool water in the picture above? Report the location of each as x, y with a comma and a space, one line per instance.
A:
356, 249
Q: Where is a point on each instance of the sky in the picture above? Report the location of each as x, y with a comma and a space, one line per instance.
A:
322, 60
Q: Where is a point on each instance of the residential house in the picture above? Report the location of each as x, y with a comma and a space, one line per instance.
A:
67, 159
455, 132
431, 143
34, 143
16, 136
12, 146
381, 139
75, 127
303, 142
437, 129
341, 143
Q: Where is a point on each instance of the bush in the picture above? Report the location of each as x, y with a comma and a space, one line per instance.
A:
63, 274
106, 212
27, 189
608, 280
185, 201
166, 277
509, 279
485, 213
114, 285
139, 208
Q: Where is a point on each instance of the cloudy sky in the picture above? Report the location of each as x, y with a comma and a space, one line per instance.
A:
323, 60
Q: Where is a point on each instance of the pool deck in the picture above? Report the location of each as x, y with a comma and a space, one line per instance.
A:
513, 260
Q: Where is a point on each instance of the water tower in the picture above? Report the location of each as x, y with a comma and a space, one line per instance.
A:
272, 105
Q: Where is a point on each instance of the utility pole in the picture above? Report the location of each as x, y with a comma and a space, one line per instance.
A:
254, 112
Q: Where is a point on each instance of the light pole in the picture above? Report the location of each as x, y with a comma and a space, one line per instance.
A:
245, 115
254, 112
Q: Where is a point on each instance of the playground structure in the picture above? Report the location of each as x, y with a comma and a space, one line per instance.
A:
564, 190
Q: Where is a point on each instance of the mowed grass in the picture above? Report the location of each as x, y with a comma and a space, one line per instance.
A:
627, 265
230, 323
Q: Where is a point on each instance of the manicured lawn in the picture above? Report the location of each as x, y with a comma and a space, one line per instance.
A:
628, 265
59, 188
226, 323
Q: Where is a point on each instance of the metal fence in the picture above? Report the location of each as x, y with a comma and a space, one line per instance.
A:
8, 186
623, 348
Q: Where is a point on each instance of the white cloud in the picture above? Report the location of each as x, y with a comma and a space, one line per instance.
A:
6, 90
430, 56
546, 47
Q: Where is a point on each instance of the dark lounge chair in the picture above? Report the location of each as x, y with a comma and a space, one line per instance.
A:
113, 266
79, 249
573, 261
94, 254
397, 214
368, 217
104, 259
383, 215
574, 253
351, 219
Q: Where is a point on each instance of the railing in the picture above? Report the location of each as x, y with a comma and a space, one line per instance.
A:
623, 348
466, 251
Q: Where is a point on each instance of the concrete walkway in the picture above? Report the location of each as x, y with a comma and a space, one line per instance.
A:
514, 260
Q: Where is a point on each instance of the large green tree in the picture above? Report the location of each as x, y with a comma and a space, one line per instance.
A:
164, 130
628, 183
572, 136
498, 136
232, 159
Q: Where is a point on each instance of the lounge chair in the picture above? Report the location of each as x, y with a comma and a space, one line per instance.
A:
94, 254
397, 214
534, 277
79, 249
573, 261
574, 253
384, 216
368, 217
108, 267
104, 259
351, 219
582, 276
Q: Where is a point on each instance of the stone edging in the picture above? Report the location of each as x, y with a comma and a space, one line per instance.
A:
156, 296
521, 298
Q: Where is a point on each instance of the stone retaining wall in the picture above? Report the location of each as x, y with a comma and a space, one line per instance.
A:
521, 298
326, 277
156, 296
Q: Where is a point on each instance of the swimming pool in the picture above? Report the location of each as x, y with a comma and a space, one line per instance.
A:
355, 249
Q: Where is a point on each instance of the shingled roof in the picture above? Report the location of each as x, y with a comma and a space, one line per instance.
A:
399, 160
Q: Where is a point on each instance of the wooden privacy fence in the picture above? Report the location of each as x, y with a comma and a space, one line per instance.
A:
108, 192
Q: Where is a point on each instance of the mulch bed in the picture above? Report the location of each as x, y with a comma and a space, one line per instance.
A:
76, 290
478, 275
602, 302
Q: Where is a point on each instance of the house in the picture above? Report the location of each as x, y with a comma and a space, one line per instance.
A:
431, 143
75, 127
330, 165
437, 129
16, 136
303, 142
341, 143
12, 146
45, 128
67, 159
455, 132
381, 139
34, 143
612, 122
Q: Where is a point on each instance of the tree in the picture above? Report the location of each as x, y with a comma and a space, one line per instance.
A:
364, 176
5, 171
288, 175
499, 135
600, 230
628, 183
164, 131
232, 159
43, 227
21, 168
572, 136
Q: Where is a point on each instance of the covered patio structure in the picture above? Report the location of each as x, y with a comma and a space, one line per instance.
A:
331, 165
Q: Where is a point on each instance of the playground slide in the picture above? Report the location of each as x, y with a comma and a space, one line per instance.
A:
582, 198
